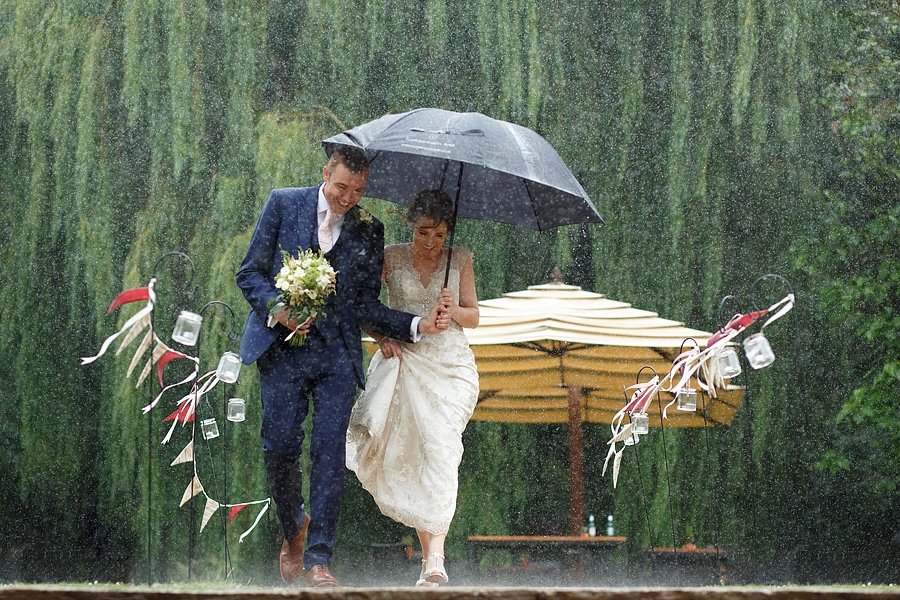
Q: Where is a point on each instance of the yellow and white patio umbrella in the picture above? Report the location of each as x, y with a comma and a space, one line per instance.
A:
540, 349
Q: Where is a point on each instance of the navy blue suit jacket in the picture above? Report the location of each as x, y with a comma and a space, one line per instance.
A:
289, 222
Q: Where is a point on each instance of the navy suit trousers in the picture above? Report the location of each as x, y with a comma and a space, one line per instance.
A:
289, 377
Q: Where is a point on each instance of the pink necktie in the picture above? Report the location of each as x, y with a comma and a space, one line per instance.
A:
325, 240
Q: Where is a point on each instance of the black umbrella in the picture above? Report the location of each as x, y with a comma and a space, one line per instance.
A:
495, 170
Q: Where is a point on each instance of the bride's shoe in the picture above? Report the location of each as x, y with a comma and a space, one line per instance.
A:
422, 582
436, 574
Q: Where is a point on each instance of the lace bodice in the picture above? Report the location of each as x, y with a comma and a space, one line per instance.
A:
405, 289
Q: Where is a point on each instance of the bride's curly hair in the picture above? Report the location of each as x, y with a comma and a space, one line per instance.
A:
435, 205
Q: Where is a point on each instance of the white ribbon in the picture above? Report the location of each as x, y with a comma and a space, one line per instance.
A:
135, 319
256, 522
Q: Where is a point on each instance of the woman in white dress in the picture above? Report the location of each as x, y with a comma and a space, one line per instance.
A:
405, 436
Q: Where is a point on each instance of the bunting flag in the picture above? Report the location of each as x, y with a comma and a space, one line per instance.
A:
183, 414
235, 509
166, 357
186, 455
211, 507
134, 295
141, 350
192, 490
142, 324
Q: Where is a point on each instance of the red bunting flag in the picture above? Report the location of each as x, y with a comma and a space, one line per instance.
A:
183, 414
129, 296
235, 510
169, 355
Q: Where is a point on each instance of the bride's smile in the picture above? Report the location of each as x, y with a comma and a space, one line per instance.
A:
428, 241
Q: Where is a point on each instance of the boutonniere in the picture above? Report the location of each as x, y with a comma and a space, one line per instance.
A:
364, 217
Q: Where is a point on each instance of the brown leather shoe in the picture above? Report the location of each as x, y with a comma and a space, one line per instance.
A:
318, 577
290, 559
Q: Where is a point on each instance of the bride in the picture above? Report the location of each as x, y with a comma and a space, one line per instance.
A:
405, 437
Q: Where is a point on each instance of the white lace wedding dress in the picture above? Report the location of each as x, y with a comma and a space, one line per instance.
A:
405, 436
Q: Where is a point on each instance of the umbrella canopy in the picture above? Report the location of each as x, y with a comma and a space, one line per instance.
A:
533, 346
495, 170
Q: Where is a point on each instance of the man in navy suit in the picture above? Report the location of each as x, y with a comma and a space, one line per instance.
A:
328, 367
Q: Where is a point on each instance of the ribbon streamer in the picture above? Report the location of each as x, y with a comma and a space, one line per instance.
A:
135, 319
255, 523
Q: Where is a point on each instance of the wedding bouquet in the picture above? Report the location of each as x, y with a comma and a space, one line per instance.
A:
305, 282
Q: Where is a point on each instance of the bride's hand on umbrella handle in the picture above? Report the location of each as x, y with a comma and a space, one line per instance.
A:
445, 304
445, 299
437, 321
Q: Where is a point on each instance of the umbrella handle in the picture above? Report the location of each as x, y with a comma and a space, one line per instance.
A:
455, 217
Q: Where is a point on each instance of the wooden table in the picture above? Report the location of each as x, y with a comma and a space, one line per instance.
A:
578, 556
689, 565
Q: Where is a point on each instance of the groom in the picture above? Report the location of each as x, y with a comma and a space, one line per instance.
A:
328, 367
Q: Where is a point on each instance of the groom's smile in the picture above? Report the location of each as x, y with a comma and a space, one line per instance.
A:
343, 188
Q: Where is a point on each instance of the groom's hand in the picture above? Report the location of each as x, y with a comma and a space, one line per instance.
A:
299, 328
437, 321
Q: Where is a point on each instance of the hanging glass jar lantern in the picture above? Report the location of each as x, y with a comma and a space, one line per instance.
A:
729, 363
236, 411
229, 367
758, 351
686, 399
640, 423
187, 328
209, 429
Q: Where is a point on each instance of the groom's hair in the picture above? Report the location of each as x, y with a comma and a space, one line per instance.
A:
352, 158
435, 205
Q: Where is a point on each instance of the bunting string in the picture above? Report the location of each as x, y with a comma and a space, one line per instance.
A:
161, 355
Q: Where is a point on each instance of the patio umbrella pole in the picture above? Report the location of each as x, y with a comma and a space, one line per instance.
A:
576, 462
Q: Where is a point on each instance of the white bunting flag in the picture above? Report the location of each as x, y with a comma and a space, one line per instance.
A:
192, 490
187, 455
211, 507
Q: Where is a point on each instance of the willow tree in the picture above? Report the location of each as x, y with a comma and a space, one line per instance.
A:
130, 129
